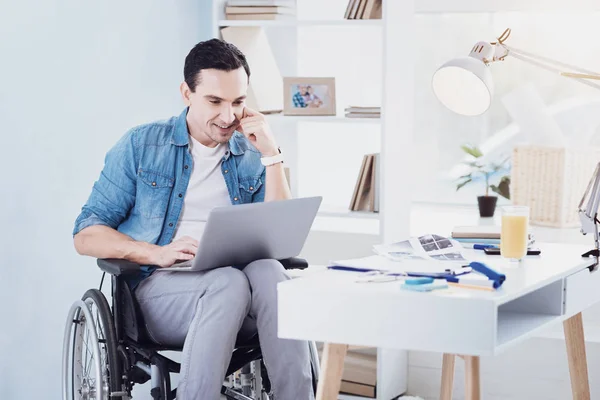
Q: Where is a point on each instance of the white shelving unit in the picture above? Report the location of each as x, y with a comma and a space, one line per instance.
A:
391, 223
301, 22
322, 119
397, 102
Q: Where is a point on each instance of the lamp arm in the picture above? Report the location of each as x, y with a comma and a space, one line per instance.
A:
594, 200
549, 60
548, 64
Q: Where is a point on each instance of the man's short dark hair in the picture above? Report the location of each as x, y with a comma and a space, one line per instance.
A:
212, 54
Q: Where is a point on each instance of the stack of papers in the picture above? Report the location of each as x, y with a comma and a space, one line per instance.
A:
426, 247
424, 254
483, 234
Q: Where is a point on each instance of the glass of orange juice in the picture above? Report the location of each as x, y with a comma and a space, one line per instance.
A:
514, 232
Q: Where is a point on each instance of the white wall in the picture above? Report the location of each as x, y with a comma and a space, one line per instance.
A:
74, 76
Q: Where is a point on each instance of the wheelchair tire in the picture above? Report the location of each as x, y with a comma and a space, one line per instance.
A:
79, 347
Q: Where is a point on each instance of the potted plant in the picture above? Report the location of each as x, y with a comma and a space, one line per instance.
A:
487, 202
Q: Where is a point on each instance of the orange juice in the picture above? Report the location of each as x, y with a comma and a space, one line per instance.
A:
513, 236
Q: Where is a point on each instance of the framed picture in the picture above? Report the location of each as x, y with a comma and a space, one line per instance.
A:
308, 96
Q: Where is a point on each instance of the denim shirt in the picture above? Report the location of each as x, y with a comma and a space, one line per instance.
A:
142, 186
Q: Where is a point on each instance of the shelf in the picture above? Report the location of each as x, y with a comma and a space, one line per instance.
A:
300, 22
346, 225
490, 6
322, 118
340, 212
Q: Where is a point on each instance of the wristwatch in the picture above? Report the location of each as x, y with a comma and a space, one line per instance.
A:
266, 161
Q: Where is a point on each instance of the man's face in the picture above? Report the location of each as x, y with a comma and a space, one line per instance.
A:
217, 105
302, 89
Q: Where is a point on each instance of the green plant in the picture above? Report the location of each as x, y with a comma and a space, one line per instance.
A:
485, 170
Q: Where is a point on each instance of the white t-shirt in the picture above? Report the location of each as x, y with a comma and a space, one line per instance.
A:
206, 189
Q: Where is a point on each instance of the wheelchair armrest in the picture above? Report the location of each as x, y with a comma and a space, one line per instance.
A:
294, 263
116, 266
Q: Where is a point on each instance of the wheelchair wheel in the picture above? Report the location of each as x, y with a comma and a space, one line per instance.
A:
91, 366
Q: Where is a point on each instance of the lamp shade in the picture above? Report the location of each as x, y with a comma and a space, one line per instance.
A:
464, 85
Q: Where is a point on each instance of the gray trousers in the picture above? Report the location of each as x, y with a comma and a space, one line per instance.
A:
208, 311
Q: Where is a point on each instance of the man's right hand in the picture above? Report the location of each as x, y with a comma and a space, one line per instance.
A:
180, 250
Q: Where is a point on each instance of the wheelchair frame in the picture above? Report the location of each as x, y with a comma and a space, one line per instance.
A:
137, 358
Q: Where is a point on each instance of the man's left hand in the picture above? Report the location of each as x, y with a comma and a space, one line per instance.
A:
255, 127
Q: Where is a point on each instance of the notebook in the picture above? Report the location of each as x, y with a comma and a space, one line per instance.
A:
478, 232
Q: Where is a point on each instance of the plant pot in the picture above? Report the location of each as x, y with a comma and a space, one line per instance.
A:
487, 205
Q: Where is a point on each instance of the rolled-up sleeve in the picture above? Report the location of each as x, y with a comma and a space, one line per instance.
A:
259, 196
113, 194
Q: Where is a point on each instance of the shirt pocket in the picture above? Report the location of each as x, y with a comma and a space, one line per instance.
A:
153, 193
248, 187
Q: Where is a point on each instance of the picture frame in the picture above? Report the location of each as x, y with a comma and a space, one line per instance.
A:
309, 96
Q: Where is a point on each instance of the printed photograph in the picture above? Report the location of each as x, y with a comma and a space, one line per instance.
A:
444, 244
426, 239
430, 246
309, 96
455, 257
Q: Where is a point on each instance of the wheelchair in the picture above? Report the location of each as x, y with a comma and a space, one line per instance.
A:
106, 352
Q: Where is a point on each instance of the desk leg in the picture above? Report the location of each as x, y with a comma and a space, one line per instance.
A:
447, 376
574, 337
472, 384
332, 367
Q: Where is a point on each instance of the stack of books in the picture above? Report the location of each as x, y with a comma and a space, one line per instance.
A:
363, 9
366, 190
362, 112
483, 234
260, 9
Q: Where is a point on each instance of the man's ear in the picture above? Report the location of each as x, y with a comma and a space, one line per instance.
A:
186, 93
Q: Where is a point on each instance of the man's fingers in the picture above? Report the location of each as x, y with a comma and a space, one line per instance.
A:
251, 127
184, 256
248, 112
186, 248
251, 119
189, 239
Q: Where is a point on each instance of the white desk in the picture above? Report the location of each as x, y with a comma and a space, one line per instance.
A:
331, 307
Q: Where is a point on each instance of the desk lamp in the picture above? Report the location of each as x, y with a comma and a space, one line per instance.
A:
464, 85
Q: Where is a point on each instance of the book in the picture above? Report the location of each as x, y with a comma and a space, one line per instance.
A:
357, 185
258, 3
245, 17
363, 9
363, 115
478, 232
354, 109
366, 190
259, 10
362, 200
371, 10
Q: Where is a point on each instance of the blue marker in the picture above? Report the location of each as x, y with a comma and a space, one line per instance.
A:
478, 246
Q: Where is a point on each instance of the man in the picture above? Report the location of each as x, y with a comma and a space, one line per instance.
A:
150, 206
299, 97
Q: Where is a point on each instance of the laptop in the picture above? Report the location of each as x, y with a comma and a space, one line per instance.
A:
237, 235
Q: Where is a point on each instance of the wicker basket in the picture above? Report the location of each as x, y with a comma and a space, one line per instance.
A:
551, 181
